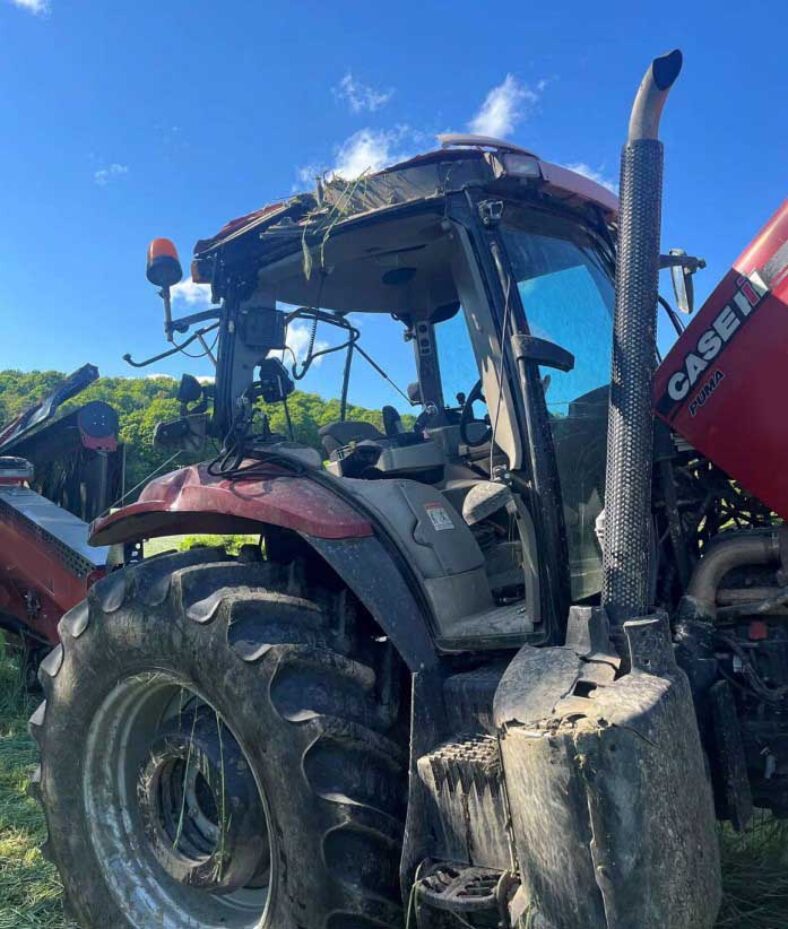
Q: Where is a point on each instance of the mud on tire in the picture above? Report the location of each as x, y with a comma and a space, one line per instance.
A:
306, 705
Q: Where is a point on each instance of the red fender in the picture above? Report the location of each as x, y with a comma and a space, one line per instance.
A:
191, 500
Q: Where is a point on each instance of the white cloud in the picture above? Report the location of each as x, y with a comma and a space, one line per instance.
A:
365, 152
587, 171
154, 377
369, 150
36, 7
192, 294
307, 175
361, 97
298, 338
111, 173
504, 107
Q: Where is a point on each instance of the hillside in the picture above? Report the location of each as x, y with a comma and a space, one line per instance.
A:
142, 402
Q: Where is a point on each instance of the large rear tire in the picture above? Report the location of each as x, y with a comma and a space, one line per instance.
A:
220, 747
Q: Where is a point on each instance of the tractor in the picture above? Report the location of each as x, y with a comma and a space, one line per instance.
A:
504, 663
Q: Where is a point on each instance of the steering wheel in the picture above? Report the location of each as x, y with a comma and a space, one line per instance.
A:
466, 418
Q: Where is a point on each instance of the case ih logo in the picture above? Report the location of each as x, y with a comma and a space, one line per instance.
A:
751, 291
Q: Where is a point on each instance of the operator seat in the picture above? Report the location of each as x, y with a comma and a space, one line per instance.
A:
338, 434
359, 449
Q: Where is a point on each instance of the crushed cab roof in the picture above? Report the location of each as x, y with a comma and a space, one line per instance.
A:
463, 161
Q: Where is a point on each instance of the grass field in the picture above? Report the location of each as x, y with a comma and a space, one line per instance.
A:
29, 886
756, 864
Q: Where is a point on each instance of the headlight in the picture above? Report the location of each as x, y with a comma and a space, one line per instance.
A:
518, 165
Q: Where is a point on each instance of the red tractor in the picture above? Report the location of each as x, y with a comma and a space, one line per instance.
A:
57, 473
446, 689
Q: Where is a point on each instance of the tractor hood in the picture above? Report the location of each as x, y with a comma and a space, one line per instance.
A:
723, 385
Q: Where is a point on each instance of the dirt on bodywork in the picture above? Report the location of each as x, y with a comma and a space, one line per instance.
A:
602, 764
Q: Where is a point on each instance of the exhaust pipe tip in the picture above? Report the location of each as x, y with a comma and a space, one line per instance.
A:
667, 68
651, 95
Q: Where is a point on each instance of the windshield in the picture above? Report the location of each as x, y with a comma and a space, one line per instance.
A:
566, 289
316, 355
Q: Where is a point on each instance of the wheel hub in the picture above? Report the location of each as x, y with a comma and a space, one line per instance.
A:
200, 806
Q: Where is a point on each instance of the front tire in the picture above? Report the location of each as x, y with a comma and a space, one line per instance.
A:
220, 748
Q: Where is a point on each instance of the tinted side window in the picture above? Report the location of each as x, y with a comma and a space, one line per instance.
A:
459, 371
568, 298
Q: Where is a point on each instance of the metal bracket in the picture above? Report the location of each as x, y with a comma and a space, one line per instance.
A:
490, 212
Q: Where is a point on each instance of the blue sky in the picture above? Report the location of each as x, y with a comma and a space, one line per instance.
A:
125, 120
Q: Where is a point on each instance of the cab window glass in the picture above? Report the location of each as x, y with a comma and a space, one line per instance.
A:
567, 296
459, 371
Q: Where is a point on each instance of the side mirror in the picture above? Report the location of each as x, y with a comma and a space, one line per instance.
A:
682, 284
682, 267
275, 382
187, 433
543, 352
189, 389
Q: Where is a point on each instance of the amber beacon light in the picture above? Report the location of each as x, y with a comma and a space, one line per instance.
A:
164, 267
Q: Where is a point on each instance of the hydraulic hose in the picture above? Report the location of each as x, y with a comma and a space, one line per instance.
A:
630, 430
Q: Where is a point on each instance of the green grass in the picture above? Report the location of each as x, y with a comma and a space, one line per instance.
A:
30, 893
755, 876
755, 864
181, 543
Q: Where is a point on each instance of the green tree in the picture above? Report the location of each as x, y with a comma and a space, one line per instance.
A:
142, 402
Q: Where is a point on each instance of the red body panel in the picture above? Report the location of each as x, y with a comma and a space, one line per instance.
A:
36, 586
724, 384
191, 500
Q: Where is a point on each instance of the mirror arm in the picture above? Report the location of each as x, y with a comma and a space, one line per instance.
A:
193, 338
143, 364
687, 262
185, 322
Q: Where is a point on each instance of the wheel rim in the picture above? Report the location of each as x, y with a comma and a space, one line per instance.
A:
178, 820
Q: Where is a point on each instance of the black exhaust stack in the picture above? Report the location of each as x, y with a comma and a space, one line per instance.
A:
630, 433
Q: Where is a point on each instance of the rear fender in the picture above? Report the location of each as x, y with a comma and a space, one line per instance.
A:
193, 501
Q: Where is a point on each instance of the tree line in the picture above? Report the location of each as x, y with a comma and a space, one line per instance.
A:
142, 402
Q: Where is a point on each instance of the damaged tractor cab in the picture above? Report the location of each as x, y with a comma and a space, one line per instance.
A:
443, 247
427, 696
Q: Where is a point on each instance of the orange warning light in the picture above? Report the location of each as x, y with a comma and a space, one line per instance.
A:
164, 268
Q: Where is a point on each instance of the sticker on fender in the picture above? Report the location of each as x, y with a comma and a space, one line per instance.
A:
439, 516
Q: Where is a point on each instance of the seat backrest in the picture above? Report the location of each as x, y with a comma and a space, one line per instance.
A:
338, 434
392, 421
